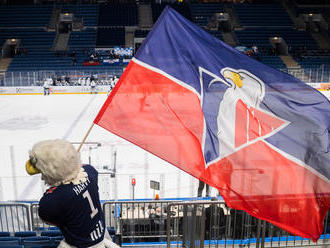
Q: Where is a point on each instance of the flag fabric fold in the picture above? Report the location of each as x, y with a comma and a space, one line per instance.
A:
260, 136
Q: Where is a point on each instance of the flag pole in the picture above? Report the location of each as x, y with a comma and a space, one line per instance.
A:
84, 139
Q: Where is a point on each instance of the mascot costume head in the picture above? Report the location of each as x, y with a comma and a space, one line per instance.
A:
57, 161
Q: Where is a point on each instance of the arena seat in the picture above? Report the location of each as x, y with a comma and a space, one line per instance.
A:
107, 37
111, 231
183, 8
4, 234
24, 234
9, 241
36, 241
51, 233
25, 15
202, 12
87, 12
118, 15
11, 246
265, 15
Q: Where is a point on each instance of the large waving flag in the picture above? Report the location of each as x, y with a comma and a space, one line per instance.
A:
261, 137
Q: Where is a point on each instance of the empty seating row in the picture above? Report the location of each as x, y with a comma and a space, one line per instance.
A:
262, 15
83, 39
25, 16
118, 15
29, 239
107, 37
202, 12
87, 12
182, 8
29, 242
260, 37
30, 37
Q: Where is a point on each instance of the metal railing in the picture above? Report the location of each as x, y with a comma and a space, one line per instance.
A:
137, 221
175, 223
312, 75
15, 217
212, 224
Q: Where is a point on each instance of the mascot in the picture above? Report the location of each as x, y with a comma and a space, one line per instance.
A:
72, 202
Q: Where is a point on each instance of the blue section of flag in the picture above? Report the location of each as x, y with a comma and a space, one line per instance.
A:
179, 48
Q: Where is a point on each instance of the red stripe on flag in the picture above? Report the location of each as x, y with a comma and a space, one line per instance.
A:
269, 186
157, 114
240, 126
253, 125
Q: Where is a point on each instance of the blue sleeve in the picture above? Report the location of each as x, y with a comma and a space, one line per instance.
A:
92, 172
50, 210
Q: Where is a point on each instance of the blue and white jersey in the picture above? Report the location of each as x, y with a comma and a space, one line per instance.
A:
76, 210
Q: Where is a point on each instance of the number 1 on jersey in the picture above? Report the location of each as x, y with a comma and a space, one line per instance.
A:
89, 198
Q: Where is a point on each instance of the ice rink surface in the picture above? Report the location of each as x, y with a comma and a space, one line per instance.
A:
27, 119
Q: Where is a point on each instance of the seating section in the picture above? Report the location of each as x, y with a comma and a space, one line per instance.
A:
46, 238
265, 15
141, 33
118, 15
216, 34
37, 43
30, 239
105, 27
182, 8
108, 37
260, 36
82, 39
272, 61
25, 16
202, 12
87, 12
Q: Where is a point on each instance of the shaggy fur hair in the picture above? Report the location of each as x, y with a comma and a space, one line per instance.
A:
58, 161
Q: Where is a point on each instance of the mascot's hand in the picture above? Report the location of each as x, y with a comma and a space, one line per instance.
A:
30, 168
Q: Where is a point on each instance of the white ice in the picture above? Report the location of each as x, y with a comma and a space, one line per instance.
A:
27, 119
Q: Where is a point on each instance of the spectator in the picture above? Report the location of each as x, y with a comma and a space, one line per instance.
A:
67, 80
201, 187
91, 58
46, 86
74, 61
115, 80
93, 86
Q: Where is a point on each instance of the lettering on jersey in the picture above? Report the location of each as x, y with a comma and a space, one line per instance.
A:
97, 232
80, 187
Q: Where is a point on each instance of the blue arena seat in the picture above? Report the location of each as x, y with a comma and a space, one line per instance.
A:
56, 240
51, 233
9, 241
111, 231
25, 234
11, 246
37, 241
4, 234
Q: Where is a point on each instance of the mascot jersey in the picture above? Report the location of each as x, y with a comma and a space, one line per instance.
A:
76, 210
